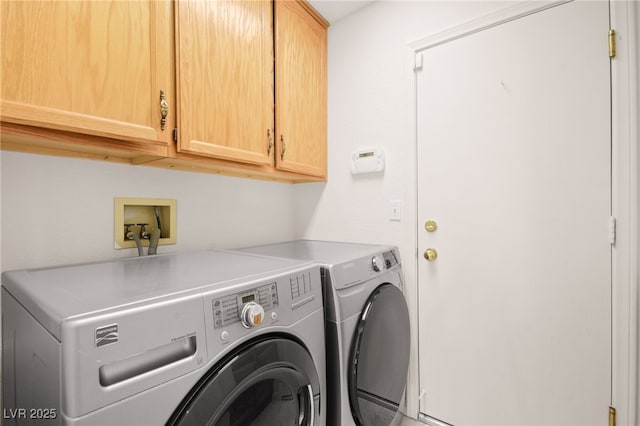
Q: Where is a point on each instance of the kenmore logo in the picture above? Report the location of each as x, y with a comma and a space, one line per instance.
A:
106, 335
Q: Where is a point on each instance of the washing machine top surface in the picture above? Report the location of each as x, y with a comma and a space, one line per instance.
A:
58, 293
327, 253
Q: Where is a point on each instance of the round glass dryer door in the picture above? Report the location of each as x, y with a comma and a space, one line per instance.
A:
268, 382
379, 358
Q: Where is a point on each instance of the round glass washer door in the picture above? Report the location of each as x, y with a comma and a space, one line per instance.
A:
266, 382
379, 358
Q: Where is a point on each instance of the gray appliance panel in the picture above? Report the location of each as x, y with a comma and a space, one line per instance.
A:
326, 252
348, 275
157, 340
55, 294
348, 263
348, 279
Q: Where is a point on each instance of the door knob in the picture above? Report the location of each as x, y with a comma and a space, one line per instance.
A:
430, 254
431, 226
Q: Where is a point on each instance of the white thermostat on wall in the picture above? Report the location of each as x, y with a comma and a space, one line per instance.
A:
367, 160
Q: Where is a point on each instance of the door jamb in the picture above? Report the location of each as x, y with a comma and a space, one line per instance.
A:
625, 105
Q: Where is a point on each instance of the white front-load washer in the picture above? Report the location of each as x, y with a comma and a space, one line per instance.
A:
212, 337
367, 326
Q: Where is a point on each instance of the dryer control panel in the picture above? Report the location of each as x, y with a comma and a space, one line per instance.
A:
228, 309
390, 259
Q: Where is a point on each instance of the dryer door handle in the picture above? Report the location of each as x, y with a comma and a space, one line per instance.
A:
127, 368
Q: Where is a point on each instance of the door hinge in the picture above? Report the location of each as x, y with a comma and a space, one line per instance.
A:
612, 230
418, 61
175, 134
612, 416
612, 43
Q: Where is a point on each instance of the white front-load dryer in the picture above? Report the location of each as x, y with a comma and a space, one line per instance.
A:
367, 326
212, 337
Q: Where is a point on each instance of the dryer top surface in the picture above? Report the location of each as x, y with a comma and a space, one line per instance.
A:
327, 253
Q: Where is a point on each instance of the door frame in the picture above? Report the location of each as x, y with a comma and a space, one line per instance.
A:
625, 109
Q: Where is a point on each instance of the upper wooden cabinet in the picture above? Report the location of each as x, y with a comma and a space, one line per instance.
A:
301, 89
243, 83
225, 66
94, 68
224, 54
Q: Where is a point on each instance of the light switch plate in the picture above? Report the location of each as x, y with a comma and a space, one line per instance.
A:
395, 210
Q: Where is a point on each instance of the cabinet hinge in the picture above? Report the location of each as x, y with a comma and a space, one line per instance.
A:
418, 61
612, 43
175, 134
612, 230
612, 416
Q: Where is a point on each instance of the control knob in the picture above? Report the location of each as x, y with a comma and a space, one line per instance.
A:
252, 315
377, 262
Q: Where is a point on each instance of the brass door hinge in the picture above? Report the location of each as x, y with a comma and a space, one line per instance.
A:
175, 134
612, 416
612, 43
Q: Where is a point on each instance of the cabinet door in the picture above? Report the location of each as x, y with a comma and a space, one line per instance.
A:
301, 89
88, 67
224, 59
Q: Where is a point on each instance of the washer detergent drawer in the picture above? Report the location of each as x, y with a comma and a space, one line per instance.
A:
107, 358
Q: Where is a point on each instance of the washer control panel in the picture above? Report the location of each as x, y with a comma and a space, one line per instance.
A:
300, 285
231, 308
276, 303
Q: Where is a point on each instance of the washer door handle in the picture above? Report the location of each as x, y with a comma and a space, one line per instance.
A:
307, 409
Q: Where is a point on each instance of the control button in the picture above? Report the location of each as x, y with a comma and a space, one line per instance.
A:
252, 315
377, 263
218, 322
218, 312
274, 316
224, 335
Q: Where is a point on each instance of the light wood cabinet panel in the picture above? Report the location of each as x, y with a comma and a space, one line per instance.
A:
224, 52
90, 67
83, 78
301, 89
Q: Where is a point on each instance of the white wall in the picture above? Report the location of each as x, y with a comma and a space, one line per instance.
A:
369, 74
369, 105
60, 210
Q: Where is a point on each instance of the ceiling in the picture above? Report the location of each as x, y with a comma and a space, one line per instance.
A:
334, 10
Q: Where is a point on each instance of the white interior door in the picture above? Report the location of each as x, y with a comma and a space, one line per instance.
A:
513, 127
